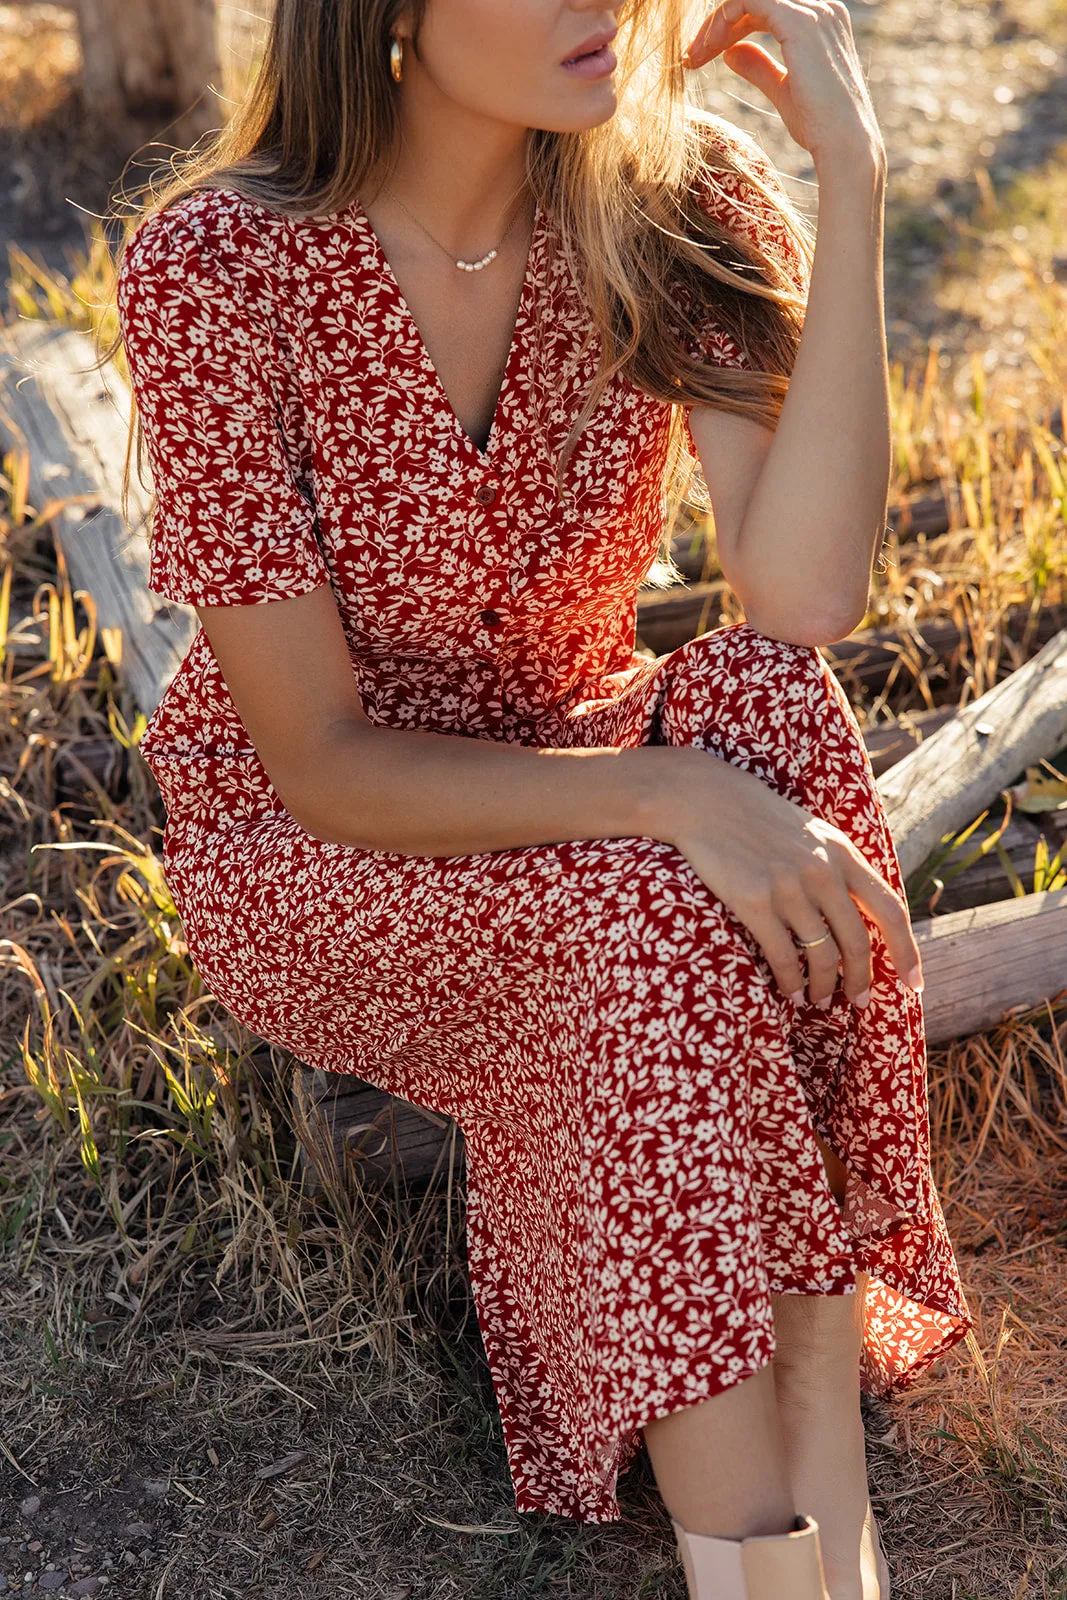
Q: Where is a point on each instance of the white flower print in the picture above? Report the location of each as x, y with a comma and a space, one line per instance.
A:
639, 1102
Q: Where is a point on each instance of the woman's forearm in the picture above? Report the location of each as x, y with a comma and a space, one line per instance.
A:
425, 793
815, 518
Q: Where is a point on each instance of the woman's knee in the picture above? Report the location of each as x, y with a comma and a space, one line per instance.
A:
743, 643
773, 708
745, 677
763, 704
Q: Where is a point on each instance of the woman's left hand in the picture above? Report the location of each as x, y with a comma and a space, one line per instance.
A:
820, 93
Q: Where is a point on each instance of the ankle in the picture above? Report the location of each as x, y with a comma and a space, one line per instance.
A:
842, 1583
757, 1524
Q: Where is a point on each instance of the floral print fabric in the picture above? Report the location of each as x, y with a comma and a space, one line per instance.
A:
639, 1101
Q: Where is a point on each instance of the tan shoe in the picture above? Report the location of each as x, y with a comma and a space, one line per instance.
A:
777, 1566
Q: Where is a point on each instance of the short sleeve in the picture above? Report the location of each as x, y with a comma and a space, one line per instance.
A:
737, 205
736, 202
231, 525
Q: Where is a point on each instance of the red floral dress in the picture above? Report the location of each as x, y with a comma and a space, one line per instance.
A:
639, 1100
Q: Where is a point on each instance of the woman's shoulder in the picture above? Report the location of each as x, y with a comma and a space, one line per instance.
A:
196, 292
719, 138
739, 186
213, 245
215, 235
207, 229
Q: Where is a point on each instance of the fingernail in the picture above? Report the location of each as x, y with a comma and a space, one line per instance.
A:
862, 999
914, 980
824, 1003
798, 998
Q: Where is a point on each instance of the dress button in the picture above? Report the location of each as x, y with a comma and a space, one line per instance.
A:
485, 495
491, 619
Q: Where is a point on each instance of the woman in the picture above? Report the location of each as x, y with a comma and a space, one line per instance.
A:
419, 347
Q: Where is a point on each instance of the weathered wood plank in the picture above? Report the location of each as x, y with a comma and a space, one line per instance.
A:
666, 618
346, 1127
868, 657
891, 742
73, 423
985, 962
923, 514
952, 776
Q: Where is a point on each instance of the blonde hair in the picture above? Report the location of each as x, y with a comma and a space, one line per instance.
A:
633, 200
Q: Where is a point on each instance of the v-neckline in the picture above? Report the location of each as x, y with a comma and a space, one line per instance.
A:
425, 359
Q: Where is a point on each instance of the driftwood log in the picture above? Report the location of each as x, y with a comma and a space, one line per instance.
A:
346, 1127
72, 422
988, 962
952, 776
872, 659
937, 770
926, 514
892, 741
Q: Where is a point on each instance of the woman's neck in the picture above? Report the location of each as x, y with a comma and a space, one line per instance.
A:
460, 173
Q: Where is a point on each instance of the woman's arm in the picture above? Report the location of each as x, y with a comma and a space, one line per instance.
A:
350, 781
799, 551
800, 511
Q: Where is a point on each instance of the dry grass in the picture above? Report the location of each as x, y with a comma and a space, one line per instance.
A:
288, 1391
293, 1387
179, 1312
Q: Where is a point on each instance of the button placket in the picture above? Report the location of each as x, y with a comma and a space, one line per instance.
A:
487, 494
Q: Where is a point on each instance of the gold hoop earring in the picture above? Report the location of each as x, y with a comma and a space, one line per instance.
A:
396, 59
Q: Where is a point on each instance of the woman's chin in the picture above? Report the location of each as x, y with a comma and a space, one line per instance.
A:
595, 102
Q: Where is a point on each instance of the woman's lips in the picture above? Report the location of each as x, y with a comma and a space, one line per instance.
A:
595, 65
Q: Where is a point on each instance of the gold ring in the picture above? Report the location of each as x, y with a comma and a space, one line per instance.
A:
808, 944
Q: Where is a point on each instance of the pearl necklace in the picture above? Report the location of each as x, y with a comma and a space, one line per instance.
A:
464, 266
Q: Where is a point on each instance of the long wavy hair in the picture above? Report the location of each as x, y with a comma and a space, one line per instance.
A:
322, 116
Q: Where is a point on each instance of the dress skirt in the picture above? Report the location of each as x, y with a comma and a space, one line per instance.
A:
638, 1099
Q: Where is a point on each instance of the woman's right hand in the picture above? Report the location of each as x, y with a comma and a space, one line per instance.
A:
786, 872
